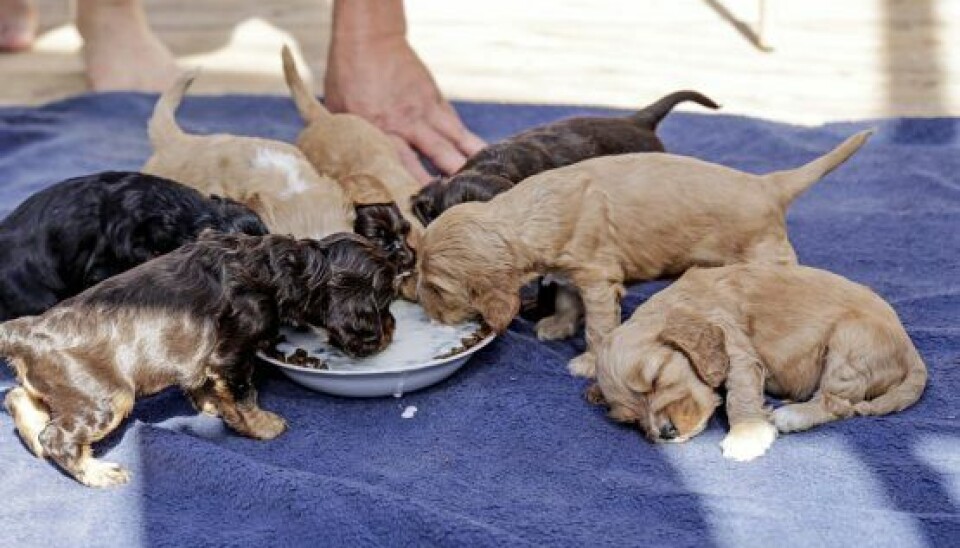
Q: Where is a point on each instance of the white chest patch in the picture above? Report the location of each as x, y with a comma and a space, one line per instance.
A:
285, 163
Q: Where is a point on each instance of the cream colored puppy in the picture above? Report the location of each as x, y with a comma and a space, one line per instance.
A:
271, 177
791, 331
345, 145
602, 223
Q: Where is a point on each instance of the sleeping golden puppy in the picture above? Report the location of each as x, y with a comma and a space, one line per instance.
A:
344, 145
601, 223
270, 177
795, 332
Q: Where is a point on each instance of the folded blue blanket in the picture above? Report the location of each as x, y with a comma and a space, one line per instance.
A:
507, 451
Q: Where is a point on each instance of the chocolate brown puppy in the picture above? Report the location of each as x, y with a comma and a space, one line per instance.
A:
192, 318
500, 166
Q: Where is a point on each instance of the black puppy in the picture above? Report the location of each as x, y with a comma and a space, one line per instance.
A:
192, 318
498, 167
81, 231
384, 225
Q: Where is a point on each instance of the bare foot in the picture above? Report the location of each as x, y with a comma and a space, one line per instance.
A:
119, 49
18, 25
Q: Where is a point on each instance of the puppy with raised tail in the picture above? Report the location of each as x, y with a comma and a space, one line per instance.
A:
271, 177
600, 224
192, 318
794, 332
344, 145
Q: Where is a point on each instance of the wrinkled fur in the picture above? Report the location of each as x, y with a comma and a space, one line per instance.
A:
602, 223
343, 145
192, 318
271, 177
793, 332
79, 232
498, 167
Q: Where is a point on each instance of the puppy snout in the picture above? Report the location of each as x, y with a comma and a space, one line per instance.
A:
668, 431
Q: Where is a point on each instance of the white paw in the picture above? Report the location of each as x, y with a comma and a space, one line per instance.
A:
103, 474
747, 441
789, 419
553, 328
584, 365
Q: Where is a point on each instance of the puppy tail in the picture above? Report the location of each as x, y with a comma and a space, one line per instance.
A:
163, 126
791, 183
650, 116
902, 395
13, 336
310, 108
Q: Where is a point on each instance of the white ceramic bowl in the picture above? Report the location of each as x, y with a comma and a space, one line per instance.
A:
406, 365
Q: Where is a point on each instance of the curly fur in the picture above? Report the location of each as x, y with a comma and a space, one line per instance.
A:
192, 318
82, 231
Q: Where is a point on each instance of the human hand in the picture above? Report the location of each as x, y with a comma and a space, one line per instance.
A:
383, 80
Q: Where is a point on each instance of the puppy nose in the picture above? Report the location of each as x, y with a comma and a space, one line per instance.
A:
668, 431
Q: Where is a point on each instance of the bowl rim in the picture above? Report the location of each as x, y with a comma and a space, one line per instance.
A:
436, 362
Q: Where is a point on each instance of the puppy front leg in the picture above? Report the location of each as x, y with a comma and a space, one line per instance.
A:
601, 302
235, 397
566, 316
751, 432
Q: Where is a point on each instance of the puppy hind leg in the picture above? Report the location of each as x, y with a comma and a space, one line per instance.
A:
66, 440
30, 416
566, 317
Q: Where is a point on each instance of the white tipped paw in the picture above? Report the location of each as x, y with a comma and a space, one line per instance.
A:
556, 327
103, 474
747, 441
584, 365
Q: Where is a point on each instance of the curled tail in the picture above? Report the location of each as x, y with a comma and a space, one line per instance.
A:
791, 183
308, 105
163, 126
901, 396
651, 115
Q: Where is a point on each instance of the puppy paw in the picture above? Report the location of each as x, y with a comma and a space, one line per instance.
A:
555, 327
747, 441
584, 365
102, 474
789, 419
265, 425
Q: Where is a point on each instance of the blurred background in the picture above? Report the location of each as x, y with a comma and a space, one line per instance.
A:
798, 61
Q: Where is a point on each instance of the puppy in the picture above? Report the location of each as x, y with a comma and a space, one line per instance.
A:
192, 318
379, 219
343, 145
602, 223
81, 231
792, 331
498, 167
272, 178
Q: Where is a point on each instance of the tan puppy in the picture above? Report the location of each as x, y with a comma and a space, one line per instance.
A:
604, 222
792, 331
343, 145
271, 177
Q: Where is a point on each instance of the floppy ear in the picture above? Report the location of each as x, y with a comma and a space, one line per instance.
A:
701, 341
362, 188
498, 307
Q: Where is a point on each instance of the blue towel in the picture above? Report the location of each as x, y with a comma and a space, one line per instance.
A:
507, 451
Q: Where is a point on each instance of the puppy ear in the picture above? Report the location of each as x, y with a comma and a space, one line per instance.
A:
498, 308
362, 188
701, 341
422, 202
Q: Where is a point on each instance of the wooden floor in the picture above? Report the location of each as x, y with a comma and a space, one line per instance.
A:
831, 59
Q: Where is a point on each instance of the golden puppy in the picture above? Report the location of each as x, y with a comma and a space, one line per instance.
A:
601, 223
792, 331
271, 177
343, 145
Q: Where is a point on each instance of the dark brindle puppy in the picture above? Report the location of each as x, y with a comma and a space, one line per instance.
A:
192, 318
498, 167
384, 225
81, 231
